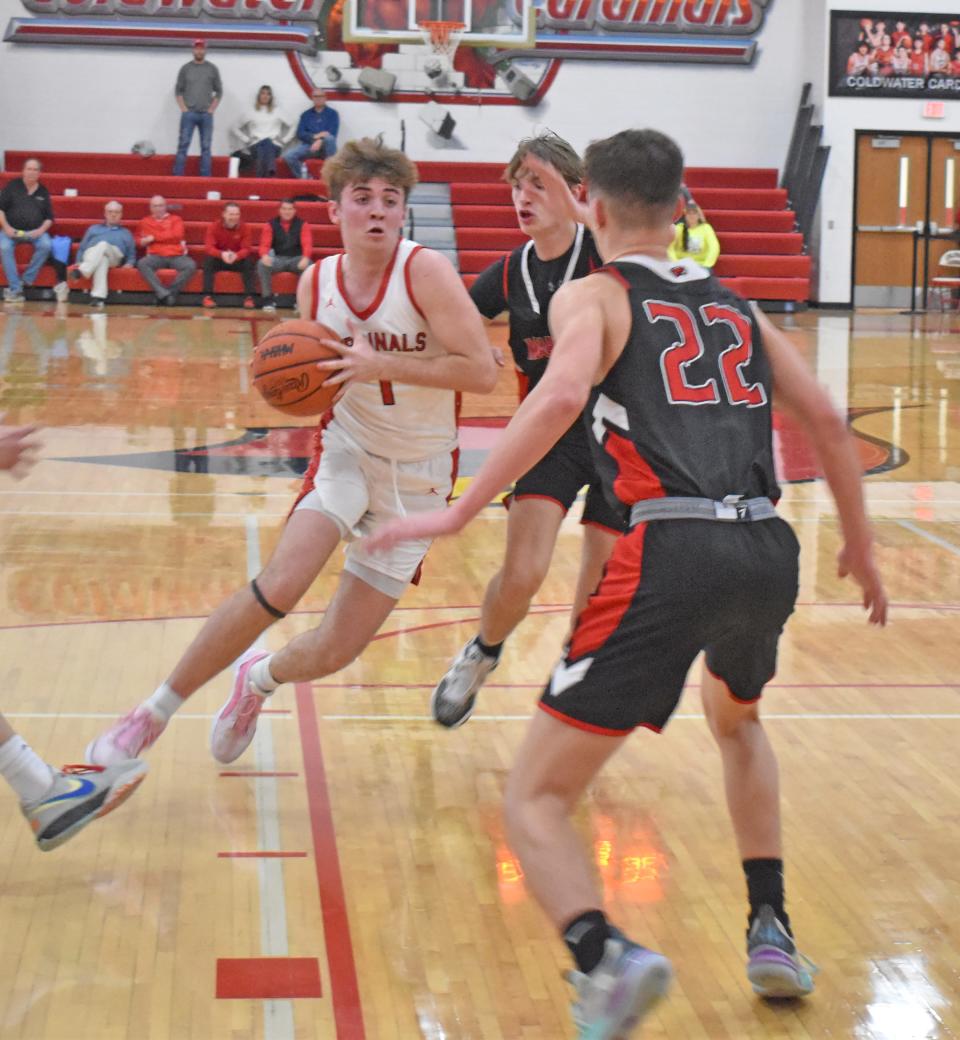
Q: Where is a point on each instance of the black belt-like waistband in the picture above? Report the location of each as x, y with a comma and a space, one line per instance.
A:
733, 509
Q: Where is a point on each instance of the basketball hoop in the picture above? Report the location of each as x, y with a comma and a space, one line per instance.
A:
442, 38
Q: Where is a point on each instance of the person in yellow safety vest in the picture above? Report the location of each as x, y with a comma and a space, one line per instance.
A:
694, 237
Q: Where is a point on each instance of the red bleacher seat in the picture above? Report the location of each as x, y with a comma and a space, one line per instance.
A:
89, 209
762, 255
324, 235
232, 189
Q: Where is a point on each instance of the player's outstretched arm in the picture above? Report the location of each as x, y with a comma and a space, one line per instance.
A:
467, 363
561, 197
577, 321
18, 450
797, 391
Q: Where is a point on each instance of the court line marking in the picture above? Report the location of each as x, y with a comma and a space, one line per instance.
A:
344, 988
540, 608
930, 536
156, 494
786, 506
687, 686
508, 718
261, 855
278, 1021
181, 716
222, 515
765, 716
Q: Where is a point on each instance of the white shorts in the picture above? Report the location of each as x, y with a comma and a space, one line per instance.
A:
359, 491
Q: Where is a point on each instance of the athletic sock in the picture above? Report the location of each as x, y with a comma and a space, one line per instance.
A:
261, 678
765, 888
163, 702
488, 649
585, 937
24, 770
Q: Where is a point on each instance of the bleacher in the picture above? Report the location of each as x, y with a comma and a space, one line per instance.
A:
762, 255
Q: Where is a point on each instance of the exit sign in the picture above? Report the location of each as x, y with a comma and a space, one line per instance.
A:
933, 109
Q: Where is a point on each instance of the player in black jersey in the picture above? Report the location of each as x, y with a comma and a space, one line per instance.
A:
523, 283
677, 375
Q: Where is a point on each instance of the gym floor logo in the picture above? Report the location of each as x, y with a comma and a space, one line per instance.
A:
286, 451
311, 33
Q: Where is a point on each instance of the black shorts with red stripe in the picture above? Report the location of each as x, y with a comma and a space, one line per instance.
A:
560, 475
671, 589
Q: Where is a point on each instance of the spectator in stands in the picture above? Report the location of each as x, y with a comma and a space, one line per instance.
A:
103, 246
694, 238
198, 92
316, 135
163, 237
25, 219
228, 248
262, 131
286, 244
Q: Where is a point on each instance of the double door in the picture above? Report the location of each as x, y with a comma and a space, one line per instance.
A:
906, 217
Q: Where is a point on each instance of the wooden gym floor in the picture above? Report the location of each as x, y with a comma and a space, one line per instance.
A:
350, 879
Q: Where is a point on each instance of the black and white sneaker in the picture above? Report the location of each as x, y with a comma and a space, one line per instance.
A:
454, 696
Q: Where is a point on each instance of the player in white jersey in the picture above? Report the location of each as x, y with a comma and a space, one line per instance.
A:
389, 449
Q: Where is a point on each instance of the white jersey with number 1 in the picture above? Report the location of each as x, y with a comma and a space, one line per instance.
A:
392, 420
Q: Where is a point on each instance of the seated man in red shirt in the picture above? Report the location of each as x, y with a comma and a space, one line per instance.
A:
163, 237
228, 248
286, 244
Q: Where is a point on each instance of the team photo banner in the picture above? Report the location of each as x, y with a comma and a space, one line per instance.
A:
894, 54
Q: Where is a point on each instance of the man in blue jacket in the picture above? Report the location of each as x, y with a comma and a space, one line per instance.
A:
316, 135
103, 246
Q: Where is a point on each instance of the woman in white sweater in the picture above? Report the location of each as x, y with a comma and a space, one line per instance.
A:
262, 131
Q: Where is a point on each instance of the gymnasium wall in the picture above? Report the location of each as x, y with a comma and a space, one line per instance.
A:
77, 98
842, 117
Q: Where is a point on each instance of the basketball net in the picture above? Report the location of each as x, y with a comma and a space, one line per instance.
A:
442, 38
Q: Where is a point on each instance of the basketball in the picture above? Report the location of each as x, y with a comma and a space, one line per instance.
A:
285, 369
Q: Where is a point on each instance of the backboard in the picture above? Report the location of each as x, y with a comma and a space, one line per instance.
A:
489, 23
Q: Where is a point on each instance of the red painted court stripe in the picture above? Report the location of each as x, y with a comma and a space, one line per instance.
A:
261, 855
345, 991
268, 978
243, 772
274, 711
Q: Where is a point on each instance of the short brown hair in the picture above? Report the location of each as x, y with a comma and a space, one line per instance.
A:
551, 148
639, 172
360, 161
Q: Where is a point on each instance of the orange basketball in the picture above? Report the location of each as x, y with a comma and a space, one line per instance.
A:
285, 369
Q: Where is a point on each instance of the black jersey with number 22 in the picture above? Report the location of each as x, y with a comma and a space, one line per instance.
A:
685, 409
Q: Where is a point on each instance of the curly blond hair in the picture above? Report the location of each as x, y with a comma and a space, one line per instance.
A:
360, 161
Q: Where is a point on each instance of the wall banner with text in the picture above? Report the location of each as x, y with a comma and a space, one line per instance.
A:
895, 54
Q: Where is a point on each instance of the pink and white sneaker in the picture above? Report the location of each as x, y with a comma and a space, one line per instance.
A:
236, 722
126, 739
